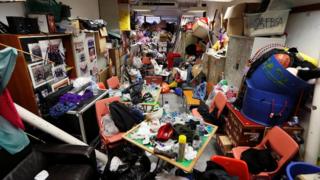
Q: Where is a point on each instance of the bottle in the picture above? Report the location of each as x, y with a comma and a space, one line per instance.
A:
94, 86
196, 142
166, 107
182, 146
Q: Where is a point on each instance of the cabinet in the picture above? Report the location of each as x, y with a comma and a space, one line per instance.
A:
213, 67
20, 84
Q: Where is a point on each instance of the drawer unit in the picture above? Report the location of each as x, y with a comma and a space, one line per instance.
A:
242, 131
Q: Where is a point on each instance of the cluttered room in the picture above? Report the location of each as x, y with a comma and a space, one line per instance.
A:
159, 89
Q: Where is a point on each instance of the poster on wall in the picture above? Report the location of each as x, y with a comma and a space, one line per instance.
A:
53, 50
80, 54
40, 73
59, 72
91, 48
35, 49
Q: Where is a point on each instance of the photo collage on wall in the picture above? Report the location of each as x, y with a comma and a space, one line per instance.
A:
47, 65
93, 64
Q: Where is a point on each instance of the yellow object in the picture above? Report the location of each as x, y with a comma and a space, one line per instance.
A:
174, 84
124, 17
305, 57
188, 94
182, 139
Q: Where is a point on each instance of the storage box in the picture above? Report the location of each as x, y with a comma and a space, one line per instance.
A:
266, 24
224, 144
200, 29
234, 14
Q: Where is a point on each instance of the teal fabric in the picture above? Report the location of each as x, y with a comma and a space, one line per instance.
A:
12, 139
7, 62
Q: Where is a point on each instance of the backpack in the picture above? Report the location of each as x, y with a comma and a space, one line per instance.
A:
259, 160
122, 117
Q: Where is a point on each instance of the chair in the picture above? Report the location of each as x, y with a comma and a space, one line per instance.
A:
113, 82
219, 102
101, 86
63, 161
279, 142
101, 110
234, 167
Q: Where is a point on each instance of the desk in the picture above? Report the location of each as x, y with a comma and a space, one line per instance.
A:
185, 164
81, 109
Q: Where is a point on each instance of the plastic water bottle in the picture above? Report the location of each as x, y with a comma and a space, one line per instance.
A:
166, 107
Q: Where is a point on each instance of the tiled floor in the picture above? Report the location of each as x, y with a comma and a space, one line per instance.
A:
175, 103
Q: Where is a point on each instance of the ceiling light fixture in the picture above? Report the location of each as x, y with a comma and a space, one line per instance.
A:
141, 8
197, 9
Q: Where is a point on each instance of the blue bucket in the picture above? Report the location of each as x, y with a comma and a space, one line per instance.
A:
296, 168
258, 104
271, 76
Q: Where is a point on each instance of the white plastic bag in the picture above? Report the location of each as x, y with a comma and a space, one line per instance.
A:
109, 127
137, 63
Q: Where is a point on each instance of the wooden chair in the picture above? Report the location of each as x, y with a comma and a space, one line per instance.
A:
113, 82
280, 142
101, 110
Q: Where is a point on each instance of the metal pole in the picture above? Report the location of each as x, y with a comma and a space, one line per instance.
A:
47, 127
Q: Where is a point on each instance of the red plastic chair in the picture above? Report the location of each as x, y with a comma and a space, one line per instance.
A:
280, 142
101, 110
113, 82
234, 167
219, 102
101, 86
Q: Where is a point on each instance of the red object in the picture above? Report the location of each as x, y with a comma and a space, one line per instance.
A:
113, 82
280, 142
153, 79
146, 60
234, 167
165, 88
188, 26
8, 111
170, 58
204, 19
101, 110
165, 132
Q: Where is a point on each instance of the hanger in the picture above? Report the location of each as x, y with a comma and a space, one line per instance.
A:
24, 52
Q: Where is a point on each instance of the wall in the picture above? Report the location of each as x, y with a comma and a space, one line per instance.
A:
109, 12
83, 8
304, 33
11, 9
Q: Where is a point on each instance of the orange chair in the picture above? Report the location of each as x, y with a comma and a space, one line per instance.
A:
113, 82
280, 142
234, 167
101, 86
219, 102
101, 110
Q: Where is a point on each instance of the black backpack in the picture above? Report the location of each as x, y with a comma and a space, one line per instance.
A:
259, 160
122, 117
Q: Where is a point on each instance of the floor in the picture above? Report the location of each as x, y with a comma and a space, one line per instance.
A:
176, 104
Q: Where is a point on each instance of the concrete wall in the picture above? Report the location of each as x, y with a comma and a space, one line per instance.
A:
82, 8
11, 9
109, 12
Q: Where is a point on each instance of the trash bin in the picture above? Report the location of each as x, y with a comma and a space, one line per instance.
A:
296, 168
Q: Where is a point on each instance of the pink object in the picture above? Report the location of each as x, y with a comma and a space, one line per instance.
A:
113, 82
219, 101
102, 109
280, 142
101, 86
8, 111
234, 167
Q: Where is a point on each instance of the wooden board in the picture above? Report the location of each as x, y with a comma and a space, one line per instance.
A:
238, 54
181, 165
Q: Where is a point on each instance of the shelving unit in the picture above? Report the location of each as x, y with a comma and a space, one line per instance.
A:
20, 85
